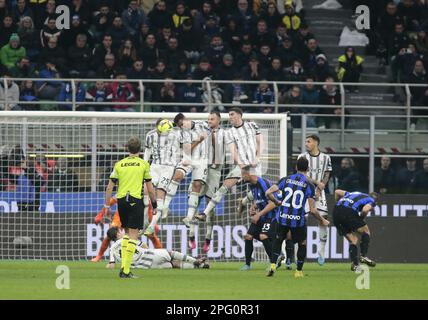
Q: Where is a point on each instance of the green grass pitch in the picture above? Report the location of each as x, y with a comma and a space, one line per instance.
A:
36, 280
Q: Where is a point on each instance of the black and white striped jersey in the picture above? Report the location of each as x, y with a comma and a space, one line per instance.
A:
244, 138
318, 165
162, 149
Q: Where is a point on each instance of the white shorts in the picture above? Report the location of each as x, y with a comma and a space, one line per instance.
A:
213, 183
161, 175
199, 170
235, 173
161, 259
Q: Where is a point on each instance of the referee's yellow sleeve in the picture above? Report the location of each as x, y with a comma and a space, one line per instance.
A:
114, 174
147, 175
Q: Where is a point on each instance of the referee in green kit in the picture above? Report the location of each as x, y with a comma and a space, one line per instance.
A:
130, 174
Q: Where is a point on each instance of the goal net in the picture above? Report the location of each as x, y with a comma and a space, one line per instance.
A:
55, 168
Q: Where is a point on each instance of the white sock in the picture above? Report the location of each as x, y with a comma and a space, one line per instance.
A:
193, 204
175, 255
323, 240
156, 217
186, 265
209, 222
172, 190
192, 230
146, 202
216, 199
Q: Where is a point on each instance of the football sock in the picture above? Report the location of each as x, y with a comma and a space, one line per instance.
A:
267, 244
123, 245
364, 245
209, 223
323, 240
129, 252
172, 190
193, 204
104, 246
248, 251
353, 253
216, 199
301, 256
276, 250
289, 250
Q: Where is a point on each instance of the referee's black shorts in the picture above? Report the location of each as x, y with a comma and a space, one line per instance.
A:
131, 212
347, 220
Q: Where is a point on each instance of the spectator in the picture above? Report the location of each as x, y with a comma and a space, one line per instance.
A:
236, 92
291, 20
190, 40
12, 52
81, 9
174, 55
29, 37
265, 56
102, 21
243, 56
48, 90
53, 53
150, 52
350, 68
398, 43
310, 96
232, 35
118, 32
384, 177
421, 42
227, 69
254, 71
203, 69
295, 72
49, 31
302, 37
280, 35
348, 177
263, 94
43, 14
12, 94
100, 51
410, 13
127, 55
28, 93
287, 52
329, 95
311, 53
420, 185
122, 92
138, 71
291, 98
272, 16
22, 69
322, 69
180, 14
202, 16
262, 35
168, 95
8, 28
183, 69
20, 10
244, 16
406, 177
163, 38
79, 58
36, 173
190, 93
211, 28
405, 62
99, 93
3, 9
66, 95
387, 23
159, 16
275, 72
62, 179
132, 18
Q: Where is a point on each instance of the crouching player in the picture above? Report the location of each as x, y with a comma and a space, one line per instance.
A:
294, 193
349, 222
145, 258
264, 229
115, 223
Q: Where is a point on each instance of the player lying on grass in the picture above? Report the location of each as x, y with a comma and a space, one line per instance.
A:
145, 258
264, 230
293, 192
116, 223
348, 215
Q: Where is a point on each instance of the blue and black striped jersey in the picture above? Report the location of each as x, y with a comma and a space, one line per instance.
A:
258, 191
294, 192
356, 201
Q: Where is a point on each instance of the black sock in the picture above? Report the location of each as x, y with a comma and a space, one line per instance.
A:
276, 250
248, 251
301, 256
353, 253
289, 249
267, 243
364, 245
208, 241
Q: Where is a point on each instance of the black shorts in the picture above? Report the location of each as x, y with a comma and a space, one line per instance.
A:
131, 212
346, 220
266, 227
298, 234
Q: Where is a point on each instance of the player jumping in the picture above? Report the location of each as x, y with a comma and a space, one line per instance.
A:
319, 173
264, 229
349, 222
294, 192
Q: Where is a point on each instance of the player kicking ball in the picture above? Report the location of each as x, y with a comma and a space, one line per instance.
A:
350, 223
264, 229
293, 192
145, 258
